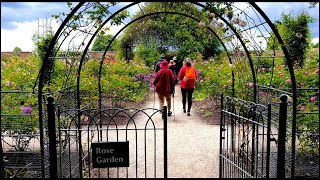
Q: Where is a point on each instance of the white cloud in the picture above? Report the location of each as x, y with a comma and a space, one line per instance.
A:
20, 37
315, 40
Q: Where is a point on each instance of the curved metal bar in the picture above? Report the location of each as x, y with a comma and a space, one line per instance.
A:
293, 82
145, 15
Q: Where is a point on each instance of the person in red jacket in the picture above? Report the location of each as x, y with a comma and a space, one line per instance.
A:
187, 86
164, 82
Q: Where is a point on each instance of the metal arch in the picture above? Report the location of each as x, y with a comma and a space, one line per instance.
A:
245, 48
145, 15
87, 47
293, 81
41, 82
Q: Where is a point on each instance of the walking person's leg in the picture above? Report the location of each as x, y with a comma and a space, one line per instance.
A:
184, 99
190, 92
168, 99
161, 100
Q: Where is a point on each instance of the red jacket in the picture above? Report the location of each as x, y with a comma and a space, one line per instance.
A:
181, 76
164, 80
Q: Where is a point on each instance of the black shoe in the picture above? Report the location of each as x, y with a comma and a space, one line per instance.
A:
188, 114
169, 113
184, 111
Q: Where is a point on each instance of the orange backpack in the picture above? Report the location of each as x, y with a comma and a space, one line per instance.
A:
190, 76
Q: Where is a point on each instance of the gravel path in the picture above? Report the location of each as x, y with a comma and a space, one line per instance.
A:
193, 145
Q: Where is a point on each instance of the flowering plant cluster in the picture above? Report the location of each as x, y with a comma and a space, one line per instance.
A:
216, 78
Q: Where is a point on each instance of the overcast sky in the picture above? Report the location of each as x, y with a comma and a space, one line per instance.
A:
20, 20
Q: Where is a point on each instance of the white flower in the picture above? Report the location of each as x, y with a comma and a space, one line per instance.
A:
242, 23
211, 23
226, 13
215, 20
220, 24
202, 24
236, 20
212, 15
231, 66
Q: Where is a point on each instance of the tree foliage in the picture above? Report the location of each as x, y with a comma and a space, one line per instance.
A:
167, 33
102, 41
17, 49
316, 45
295, 33
42, 44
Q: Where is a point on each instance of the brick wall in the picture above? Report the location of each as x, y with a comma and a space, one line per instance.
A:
93, 54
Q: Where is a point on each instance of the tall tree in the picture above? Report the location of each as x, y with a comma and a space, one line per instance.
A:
296, 35
17, 49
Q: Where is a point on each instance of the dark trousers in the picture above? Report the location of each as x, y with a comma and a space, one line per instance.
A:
185, 93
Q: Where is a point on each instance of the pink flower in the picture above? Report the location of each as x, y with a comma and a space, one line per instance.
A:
282, 66
313, 99
7, 83
288, 80
250, 84
317, 71
301, 84
217, 68
242, 23
262, 93
201, 80
302, 108
281, 84
307, 73
224, 85
281, 75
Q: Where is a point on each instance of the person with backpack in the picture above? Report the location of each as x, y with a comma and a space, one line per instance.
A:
164, 82
187, 77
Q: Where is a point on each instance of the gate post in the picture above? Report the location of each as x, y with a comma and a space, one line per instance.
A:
1, 160
221, 129
282, 137
52, 138
165, 143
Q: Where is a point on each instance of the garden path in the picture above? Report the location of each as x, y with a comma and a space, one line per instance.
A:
193, 145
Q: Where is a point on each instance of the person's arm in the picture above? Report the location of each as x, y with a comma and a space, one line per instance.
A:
156, 79
180, 76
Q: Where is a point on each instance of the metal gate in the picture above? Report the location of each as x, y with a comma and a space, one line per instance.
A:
249, 146
70, 142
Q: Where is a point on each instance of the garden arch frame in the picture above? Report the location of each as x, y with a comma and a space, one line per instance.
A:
61, 30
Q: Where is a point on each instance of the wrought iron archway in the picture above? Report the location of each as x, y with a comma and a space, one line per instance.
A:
64, 31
